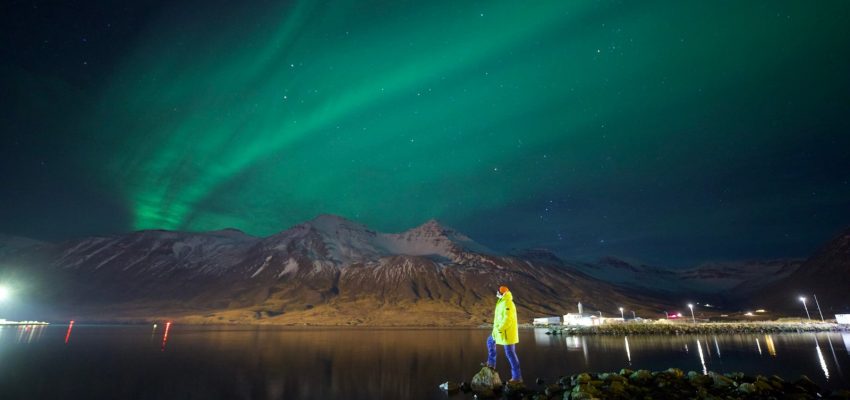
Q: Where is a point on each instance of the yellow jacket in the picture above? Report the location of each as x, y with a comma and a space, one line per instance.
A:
505, 330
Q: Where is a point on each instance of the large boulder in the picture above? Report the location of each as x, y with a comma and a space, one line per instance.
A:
486, 381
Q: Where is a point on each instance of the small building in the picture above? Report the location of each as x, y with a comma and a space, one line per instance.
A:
581, 319
843, 319
547, 321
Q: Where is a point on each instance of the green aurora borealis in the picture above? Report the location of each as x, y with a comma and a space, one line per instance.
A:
666, 131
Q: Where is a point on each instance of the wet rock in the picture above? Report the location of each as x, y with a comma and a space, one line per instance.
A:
582, 378
514, 389
762, 385
807, 384
486, 381
675, 372
617, 389
721, 381
640, 376
553, 390
746, 388
450, 387
700, 380
585, 391
626, 372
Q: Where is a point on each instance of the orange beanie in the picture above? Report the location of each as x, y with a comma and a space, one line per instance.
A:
503, 289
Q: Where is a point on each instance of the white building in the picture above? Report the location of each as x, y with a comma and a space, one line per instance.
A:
580, 319
547, 321
843, 319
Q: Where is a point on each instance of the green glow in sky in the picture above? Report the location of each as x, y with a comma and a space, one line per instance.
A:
554, 117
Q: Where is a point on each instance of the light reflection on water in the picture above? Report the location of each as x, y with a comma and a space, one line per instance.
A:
176, 361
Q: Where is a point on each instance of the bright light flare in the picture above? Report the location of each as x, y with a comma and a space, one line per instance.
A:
5, 293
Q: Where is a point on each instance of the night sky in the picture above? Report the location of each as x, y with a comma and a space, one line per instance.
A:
667, 132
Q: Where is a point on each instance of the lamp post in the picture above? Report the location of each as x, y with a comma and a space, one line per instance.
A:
818, 304
803, 299
621, 314
634, 316
666, 315
694, 318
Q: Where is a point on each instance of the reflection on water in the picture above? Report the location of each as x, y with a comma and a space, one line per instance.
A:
701, 359
259, 363
771, 349
846, 338
68, 334
822, 361
165, 336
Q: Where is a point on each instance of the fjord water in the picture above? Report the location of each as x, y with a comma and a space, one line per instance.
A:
134, 362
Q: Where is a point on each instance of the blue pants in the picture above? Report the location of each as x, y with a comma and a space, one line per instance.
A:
510, 352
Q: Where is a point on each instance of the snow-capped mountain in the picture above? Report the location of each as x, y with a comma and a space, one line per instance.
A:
328, 270
331, 270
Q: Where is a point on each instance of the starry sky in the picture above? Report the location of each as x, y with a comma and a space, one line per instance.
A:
667, 132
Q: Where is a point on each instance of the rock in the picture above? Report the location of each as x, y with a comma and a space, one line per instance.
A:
762, 385
807, 384
581, 378
617, 389
486, 381
553, 390
747, 388
735, 376
585, 391
640, 376
721, 381
539, 381
700, 380
514, 388
626, 372
675, 372
450, 387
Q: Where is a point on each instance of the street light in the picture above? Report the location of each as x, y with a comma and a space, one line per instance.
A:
634, 316
621, 314
691, 306
819, 311
803, 299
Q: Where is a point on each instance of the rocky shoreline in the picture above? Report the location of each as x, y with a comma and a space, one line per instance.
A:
626, 384
654, 328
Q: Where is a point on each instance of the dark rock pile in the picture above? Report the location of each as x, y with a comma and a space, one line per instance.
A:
642, 384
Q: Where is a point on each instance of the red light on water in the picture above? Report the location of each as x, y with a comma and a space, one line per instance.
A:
68, 334
165, 335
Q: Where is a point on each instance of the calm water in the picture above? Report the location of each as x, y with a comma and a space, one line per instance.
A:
132, 362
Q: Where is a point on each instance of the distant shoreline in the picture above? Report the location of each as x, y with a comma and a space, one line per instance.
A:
672, 329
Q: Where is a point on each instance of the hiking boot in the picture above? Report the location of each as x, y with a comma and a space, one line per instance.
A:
485, 365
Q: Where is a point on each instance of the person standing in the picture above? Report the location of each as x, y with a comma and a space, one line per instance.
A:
505, 333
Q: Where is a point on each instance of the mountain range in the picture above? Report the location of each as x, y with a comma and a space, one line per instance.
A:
333, 271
